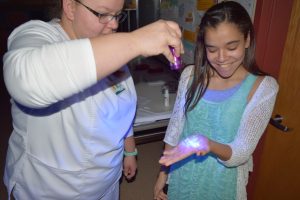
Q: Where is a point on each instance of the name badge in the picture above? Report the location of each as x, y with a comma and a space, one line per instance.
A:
118, 88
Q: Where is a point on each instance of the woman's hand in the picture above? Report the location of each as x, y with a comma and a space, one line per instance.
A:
198, 144
130, 167
112, 51
156, 38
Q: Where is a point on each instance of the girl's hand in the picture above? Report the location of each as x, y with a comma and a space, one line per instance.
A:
198, 144
159, 194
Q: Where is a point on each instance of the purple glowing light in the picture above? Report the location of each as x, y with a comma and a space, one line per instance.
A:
192, 142
177, 60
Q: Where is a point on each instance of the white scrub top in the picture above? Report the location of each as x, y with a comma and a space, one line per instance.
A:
69, 129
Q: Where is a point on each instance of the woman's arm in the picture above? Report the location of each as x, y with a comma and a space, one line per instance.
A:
129, 145
41, 68
114, 50
130, 164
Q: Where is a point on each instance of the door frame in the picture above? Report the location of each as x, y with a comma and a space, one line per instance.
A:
271, 22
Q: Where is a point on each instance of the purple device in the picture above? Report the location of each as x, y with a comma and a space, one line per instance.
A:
177, 60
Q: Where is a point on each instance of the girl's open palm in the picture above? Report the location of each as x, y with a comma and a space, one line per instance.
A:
197, 143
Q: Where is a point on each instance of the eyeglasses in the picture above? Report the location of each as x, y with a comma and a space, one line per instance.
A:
104, 18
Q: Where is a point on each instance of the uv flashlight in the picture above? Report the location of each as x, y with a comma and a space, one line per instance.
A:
177, 60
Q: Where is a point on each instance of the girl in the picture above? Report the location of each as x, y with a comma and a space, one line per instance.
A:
223, 106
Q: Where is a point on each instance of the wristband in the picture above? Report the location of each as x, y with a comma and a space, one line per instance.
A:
134, 153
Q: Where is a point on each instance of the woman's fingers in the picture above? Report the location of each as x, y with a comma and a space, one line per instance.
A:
156, 38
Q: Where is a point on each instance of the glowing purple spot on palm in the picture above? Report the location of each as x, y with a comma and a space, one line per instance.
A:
192, 142
195, 143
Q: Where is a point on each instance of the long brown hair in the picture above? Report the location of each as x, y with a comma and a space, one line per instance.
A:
226, 11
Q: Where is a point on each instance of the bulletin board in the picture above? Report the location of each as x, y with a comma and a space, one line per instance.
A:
250, 6
187, 13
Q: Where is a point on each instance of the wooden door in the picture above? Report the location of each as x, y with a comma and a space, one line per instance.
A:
278, 173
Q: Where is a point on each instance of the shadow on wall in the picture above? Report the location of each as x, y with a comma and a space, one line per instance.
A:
12, 15
5, 130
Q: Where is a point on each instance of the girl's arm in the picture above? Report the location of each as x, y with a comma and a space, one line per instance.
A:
173, 131
177, 119
254, 122
161, 181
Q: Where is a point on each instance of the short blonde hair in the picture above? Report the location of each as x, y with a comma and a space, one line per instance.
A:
55, 9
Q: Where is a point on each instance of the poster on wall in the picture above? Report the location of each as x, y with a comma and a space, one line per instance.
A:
169, 10
188, 14
250, 6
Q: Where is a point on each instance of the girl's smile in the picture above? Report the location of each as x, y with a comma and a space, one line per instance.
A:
225, 48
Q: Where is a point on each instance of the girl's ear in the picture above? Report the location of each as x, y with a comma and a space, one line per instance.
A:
68, 8
247, 41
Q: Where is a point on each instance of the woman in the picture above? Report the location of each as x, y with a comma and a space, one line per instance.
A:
73, 100
223, 105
